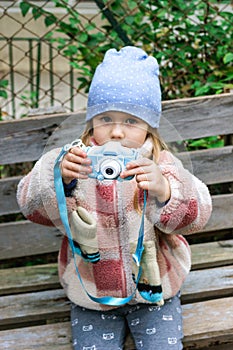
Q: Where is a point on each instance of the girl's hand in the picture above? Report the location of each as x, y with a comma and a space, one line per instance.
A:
149, 177
75, 165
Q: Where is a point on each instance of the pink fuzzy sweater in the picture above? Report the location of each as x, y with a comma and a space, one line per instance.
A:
112, 205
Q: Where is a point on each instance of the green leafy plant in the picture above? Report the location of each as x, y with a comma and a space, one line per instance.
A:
3, 85
82, 44
192, 40
3, 93
204, 143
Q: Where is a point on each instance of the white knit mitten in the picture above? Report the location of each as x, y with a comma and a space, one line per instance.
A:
83, 229
149, 285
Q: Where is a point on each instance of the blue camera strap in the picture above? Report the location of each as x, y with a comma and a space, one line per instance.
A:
61, 200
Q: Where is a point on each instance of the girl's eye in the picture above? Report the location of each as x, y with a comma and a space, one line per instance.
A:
131, 121
106, 119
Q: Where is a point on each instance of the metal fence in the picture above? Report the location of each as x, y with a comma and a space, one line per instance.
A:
37, 82
49, 49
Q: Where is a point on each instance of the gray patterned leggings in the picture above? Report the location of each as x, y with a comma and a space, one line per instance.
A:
152, 327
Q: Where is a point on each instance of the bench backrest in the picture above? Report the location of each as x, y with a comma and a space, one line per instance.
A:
26, 139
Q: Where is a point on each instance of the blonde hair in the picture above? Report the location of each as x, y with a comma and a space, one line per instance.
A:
157, 142
87, 134
158, 146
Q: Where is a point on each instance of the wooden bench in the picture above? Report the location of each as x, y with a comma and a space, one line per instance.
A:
34, 312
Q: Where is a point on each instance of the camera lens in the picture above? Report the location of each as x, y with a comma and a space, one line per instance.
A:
109, 171
110, 168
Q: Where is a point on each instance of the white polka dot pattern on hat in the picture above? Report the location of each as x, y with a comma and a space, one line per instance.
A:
126, 81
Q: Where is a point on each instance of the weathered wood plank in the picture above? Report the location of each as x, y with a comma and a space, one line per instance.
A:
51, 304
208, 284
212, 166
223, 346
8, 203
29, 279
221, 218
211, 254
197, 117
213, 320
20, 237
26, 139
23, 238
49, 337
37, 306
205, 164
199, 285
214, 326
182, 119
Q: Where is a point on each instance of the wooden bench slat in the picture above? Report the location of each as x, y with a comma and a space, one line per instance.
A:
213, 320
199, 285
46, 337
220, 217
49, 304
8, 203
28, 307
29, 279
215, 325
211, 254
205, 164
182, 119
208, 284
197, 117
223, 346
24, 238
37, 134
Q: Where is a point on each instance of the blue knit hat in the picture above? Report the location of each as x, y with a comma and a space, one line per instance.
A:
126, 81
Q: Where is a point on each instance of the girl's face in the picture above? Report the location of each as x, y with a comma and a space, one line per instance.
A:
119, 126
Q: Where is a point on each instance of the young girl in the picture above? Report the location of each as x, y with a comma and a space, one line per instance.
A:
124, 107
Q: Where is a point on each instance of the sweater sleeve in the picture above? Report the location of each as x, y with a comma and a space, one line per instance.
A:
36, 194
190, 205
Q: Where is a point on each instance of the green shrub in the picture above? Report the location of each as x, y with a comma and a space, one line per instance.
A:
192, 40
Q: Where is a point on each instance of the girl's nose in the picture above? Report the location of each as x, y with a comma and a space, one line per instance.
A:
117, 131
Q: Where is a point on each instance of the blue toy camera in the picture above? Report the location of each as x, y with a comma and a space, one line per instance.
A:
109, 160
